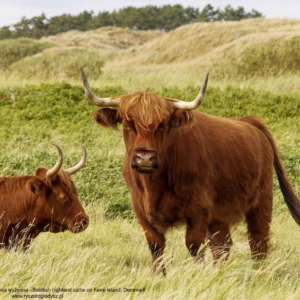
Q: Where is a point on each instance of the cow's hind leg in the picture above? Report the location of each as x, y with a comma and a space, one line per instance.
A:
258, 221
219, 240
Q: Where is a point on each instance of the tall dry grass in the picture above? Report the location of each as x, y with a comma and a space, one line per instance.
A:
105, 38
112, 254
147, 59
206, 42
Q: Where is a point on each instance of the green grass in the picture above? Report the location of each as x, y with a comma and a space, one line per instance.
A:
112, 252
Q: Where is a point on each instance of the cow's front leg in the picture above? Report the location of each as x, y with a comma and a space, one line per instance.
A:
196, 233
156, 242
156, 245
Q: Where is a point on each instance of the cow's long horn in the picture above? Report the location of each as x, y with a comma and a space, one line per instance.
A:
80, 165
94, 99
51, 174
195, 103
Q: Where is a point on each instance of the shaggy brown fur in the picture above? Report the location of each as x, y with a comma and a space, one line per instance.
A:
187, 167
32, 204
146, 108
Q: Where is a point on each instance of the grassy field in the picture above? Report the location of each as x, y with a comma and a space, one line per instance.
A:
111, 256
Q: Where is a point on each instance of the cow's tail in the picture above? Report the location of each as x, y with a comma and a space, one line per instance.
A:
289, 196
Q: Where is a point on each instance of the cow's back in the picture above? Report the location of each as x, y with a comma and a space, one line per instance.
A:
15, 200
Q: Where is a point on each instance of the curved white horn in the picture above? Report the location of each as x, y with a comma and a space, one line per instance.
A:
51, 173
94, 99
195, 103
80, 165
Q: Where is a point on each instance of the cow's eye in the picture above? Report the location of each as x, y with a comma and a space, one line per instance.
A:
128, 128
160, 129
62, 197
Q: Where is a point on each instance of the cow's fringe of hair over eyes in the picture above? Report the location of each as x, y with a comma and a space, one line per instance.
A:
65, 178
18, 182
61, 176
145, 107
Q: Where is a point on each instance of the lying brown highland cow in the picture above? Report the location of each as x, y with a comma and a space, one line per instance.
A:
186, 167
47, 201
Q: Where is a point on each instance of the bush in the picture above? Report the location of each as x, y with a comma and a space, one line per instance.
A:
64, 64
275, 59
14, 50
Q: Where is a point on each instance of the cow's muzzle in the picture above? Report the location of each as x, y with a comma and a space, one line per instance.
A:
144, 161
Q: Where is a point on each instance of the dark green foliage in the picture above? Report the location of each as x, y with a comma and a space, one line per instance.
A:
236, 102
5, 33
276, 59
14, 50
166, 18
66, 22
231, 14
60, 113
103, 19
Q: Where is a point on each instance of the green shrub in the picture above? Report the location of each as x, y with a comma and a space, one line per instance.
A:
275, 59
60, 113
236, 102
12, 50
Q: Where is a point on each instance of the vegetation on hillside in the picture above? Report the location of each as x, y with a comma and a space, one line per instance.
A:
16, 49
29, 58
103, 39
165, 18
201, 43
276, 59
62, 63
236, 50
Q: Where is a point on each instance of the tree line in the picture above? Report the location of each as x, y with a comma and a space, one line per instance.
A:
165, 18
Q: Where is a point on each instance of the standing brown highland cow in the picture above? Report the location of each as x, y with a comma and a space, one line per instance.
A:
186, 167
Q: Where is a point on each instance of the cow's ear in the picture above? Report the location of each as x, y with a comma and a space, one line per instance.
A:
36, 186
181, 118
107, 117
41, 171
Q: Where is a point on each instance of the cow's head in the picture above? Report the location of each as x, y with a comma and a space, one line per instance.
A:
148, 120
57, 207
